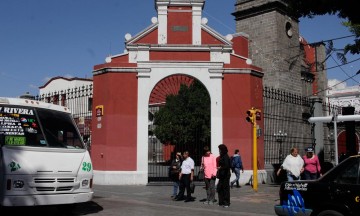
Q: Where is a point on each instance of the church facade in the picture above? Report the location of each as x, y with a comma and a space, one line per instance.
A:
294, 70
178, 43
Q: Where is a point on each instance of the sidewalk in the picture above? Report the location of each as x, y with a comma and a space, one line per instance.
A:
155, 200
152, 200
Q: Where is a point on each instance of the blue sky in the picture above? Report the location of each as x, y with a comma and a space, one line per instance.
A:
40, 39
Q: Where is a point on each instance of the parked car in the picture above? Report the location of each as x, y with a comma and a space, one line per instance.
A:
336, 193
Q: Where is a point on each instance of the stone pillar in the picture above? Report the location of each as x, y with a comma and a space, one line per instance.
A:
318, 129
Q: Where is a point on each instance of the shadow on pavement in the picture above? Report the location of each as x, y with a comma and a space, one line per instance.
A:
53, 210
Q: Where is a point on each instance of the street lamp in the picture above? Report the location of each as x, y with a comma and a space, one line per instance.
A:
280, 137
332, 151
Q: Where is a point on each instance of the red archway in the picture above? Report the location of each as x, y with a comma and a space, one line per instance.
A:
168, 86
342, 143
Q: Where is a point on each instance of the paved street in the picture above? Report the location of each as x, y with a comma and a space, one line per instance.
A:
155, 200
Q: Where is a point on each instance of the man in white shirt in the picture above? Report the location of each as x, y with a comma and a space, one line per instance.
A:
186, 177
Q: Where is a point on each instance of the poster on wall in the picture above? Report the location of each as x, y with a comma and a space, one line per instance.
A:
15, 123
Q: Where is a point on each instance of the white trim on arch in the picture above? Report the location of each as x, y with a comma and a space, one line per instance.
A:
161, 70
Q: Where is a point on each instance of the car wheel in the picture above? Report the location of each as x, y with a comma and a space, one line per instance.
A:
330, 213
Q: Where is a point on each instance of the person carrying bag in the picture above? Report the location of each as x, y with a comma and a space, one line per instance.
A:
201, 174
209, 166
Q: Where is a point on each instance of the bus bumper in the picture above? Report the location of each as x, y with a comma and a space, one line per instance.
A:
55, 199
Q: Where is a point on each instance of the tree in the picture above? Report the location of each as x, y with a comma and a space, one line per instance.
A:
185, 118
344, 9
353, 48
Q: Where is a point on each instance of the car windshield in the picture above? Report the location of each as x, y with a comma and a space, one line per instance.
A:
26, 126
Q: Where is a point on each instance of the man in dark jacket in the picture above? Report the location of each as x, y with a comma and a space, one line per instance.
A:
223, 187
236, 166
174, 171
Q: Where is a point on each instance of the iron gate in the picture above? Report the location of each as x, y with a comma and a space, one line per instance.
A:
285, 122
79, 101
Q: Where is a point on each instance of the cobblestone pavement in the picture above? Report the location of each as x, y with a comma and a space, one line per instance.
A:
155, 200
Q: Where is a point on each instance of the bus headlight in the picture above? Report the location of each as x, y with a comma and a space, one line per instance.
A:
18, 184
85, 183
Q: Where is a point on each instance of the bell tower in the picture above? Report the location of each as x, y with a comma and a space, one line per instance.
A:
179, 21
274, 41
274, 46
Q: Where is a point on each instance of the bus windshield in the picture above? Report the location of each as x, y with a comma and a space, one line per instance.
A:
37, 127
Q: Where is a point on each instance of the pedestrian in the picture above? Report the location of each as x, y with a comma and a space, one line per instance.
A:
236, 166
186, 177
293, 165
208, 164
223, 174
312, 168
175, 172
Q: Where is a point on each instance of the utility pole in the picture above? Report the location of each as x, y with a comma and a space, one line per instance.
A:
253, 114
335, 118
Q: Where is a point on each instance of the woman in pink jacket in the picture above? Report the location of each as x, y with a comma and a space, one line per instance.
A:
311, 165
208, 164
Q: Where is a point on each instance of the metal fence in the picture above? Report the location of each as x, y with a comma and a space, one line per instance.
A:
285, 122
160, 155
79, 101
286, 126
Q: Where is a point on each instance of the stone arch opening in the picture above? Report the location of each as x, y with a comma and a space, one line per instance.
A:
342, 143
150, 75
192, 114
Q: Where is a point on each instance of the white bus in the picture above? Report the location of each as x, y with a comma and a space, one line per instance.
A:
43, 160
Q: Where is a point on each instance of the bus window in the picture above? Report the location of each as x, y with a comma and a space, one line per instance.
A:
38, 128
59, 129
20, 128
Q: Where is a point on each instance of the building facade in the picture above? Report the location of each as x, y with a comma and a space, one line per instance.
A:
74, 93
179, 42
292, 67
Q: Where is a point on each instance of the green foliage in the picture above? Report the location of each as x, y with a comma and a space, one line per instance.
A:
185, 118
344, 9
355, 29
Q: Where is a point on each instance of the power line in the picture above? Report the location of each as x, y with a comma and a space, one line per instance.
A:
343, 64
325, 69
343, 70
221, 23
320, 91
330, 40
277, 57
310, 44
351, 77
